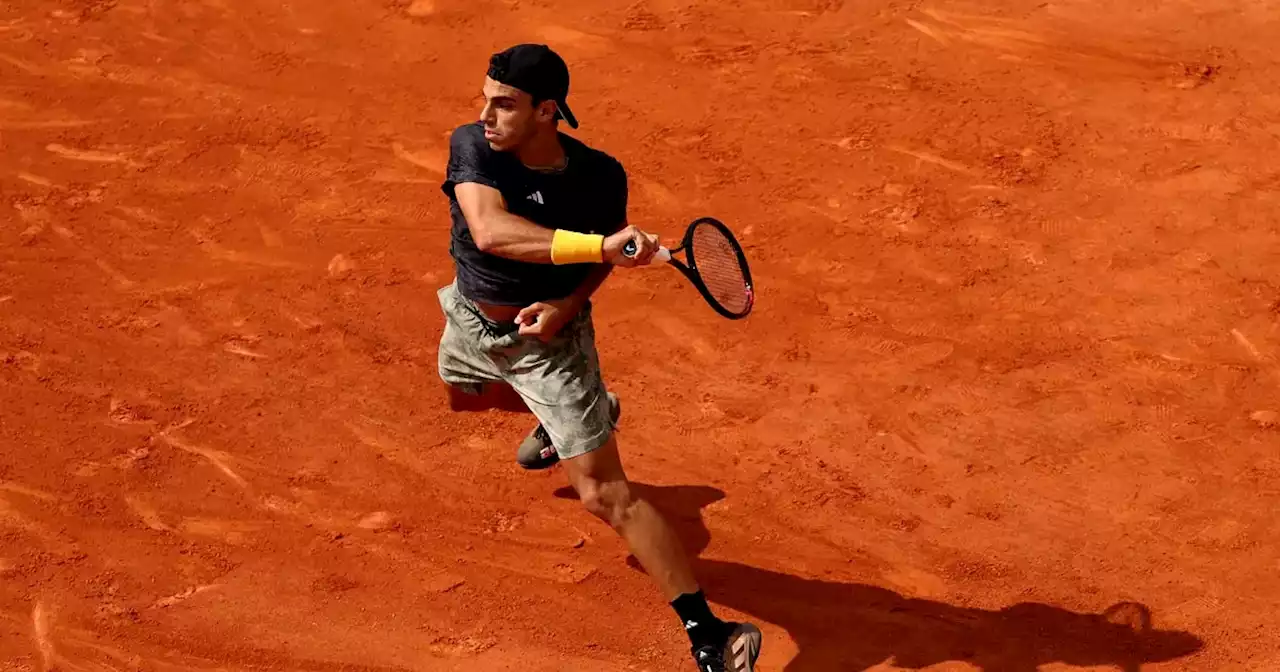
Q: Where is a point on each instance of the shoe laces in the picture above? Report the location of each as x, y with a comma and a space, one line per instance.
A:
709, 660
545, 439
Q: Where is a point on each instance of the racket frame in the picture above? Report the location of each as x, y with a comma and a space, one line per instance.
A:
690, 270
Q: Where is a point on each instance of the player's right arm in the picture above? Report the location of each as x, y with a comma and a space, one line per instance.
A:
497, 231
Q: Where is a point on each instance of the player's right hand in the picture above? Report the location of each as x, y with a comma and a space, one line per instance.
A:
646, 245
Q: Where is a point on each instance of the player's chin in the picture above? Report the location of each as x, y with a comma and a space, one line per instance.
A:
497, 143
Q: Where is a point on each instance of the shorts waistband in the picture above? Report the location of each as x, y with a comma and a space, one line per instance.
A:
493, 328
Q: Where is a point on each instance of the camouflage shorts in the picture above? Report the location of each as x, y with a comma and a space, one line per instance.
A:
559, 381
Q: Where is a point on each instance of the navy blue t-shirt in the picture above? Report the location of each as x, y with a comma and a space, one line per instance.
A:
588, 196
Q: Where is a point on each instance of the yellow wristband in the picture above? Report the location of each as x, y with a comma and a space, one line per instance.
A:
570, 247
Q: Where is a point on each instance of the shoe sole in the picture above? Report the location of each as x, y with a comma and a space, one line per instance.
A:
555, 459
743, 649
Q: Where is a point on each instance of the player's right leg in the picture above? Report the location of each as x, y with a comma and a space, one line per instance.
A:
473, 378
538, 451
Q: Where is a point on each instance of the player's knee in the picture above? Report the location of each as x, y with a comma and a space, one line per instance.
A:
611, 501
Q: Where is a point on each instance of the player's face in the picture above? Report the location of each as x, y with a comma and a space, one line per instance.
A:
509, 115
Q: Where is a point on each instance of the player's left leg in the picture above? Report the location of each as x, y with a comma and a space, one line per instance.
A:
561, 383
602, 485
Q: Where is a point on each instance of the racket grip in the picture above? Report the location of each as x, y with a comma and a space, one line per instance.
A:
663, 254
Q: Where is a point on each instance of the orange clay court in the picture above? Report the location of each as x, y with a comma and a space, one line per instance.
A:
1008, 400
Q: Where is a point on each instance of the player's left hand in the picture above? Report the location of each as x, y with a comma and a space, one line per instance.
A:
543, 320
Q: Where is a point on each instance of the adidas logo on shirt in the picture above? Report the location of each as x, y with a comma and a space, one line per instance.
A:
536, 197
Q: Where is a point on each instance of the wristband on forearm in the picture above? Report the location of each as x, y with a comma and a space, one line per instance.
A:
571, 247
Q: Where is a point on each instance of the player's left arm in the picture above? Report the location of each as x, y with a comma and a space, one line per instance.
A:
618, 218
564, 310
589, 285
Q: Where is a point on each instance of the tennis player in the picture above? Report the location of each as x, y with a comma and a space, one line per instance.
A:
539, 222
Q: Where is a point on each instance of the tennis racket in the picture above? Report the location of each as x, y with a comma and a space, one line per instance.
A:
714, 263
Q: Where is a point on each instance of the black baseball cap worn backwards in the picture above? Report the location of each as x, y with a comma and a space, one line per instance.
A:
536, 70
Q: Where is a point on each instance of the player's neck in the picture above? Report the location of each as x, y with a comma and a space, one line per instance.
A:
543, 151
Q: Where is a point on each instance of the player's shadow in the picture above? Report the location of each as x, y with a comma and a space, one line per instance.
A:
842, 627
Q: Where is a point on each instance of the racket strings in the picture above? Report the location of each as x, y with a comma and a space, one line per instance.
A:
720, 268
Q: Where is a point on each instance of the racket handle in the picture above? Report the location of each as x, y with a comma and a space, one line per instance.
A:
663, 254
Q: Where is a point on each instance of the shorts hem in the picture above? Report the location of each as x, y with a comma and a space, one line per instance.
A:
585, 447
468, 387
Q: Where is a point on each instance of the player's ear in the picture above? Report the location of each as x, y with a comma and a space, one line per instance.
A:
546, 111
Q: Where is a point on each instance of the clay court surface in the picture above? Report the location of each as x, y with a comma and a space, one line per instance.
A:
1007, 402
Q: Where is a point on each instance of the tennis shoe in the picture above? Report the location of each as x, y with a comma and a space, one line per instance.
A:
738, 654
